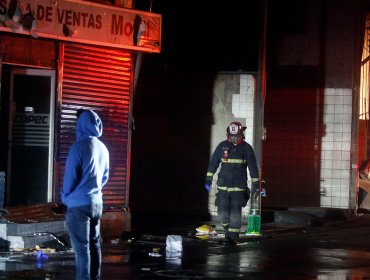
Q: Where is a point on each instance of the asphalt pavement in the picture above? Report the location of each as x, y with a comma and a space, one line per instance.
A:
328, 248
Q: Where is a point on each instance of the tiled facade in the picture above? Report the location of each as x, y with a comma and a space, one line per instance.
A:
335, 148
234, 97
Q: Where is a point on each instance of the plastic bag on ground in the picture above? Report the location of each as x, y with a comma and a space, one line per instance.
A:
173, 246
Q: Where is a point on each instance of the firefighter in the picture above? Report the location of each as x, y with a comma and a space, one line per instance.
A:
235, 156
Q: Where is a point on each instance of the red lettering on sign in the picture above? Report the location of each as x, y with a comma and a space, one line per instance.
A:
80, 19
44, 13
91, 23
98, 22
60, 16
40, 12
117, 23
68, 18
128, 28
76, 19
84, 16
49, 14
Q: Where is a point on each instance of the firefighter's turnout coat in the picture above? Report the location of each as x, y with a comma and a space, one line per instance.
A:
234, 160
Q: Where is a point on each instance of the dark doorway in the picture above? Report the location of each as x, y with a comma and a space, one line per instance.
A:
29, 165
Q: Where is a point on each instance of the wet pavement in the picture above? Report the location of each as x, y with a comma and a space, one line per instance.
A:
333, 250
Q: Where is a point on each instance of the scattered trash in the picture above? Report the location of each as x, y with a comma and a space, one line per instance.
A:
203, 236
40, 255
60, 242
205, 231
114, 241
174, 243
173, 246
145, 269
154, 254
156, 250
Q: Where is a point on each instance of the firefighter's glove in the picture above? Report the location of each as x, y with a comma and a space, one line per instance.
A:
208, 185
255, 189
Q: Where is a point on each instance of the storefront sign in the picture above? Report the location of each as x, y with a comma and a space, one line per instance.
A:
32, 119
30, 129
84, 22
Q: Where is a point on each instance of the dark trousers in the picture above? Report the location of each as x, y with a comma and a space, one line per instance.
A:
229, 209
84, 230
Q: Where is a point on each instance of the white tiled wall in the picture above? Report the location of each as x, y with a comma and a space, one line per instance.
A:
335, 148
243, 104
335, 142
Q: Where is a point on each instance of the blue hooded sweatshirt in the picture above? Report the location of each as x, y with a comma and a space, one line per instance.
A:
87, 165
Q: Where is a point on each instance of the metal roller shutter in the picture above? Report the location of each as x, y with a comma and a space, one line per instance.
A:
100, 79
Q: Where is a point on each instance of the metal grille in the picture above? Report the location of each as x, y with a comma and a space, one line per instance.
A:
99, 79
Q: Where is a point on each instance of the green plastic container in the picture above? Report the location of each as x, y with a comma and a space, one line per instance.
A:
254, 224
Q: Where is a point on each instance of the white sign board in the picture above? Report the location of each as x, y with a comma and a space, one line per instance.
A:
84, 22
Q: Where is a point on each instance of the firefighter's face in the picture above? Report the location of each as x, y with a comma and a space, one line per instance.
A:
234, 139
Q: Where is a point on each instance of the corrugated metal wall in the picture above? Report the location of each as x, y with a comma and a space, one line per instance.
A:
100, 79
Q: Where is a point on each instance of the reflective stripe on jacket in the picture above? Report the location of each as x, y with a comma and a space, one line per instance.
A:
234, 161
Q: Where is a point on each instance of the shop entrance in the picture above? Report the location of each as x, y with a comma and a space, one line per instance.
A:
30, 131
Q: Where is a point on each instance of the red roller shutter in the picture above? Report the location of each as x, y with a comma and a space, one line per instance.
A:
100, 79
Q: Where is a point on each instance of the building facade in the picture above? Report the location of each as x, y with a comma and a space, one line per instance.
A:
55, 59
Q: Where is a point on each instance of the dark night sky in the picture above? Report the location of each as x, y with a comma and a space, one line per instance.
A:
208, 35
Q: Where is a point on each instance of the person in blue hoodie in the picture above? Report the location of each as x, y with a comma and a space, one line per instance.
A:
86, 173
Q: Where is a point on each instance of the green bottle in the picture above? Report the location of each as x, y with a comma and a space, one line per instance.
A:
254, 224
254, 217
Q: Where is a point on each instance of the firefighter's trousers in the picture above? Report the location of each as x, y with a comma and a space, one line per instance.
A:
229, 209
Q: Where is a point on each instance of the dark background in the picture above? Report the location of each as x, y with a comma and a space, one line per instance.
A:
173, 101
206, 36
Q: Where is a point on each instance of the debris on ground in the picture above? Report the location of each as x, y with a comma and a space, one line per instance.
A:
205, 231
40, 254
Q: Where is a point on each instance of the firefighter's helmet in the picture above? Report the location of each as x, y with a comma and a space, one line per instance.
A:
235, 133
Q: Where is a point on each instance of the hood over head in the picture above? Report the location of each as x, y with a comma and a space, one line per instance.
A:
89, 124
